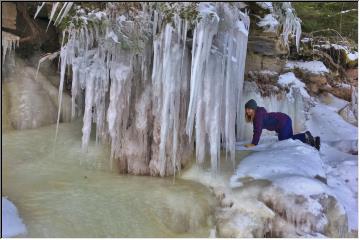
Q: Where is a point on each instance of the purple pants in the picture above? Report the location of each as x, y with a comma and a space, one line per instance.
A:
286, 132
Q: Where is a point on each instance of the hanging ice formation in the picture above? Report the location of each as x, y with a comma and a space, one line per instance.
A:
134, 75
281, 14
291, 24
8, 42
217, 74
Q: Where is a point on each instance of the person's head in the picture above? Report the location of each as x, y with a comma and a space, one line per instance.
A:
250, 108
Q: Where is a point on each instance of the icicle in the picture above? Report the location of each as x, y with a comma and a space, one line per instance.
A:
203, 35
39, 9
74, 88
53, 10
66, 11
61, 11
89, 99
48, 56
63, 57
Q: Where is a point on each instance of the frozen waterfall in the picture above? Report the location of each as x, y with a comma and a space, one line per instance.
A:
148, 91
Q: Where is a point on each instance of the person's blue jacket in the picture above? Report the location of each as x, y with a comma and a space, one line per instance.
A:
273, 121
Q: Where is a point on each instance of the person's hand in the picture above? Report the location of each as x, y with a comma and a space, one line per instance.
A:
248, 145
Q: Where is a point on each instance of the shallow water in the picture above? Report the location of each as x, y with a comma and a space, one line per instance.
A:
62, 192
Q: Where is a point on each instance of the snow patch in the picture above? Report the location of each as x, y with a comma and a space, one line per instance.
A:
305, 40
342, 175
352, 56
12, 225
316, 67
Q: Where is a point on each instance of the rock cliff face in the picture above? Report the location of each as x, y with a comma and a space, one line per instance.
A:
31, 99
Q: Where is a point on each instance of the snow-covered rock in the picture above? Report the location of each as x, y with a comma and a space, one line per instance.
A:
348, 57
278, 160
329, 125
348, 115
290, 80
339, 144
269, 23
298, 192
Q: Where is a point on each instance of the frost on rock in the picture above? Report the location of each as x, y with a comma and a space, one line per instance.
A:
135, 77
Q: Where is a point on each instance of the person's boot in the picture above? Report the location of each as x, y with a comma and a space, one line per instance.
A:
317, 143
309, 139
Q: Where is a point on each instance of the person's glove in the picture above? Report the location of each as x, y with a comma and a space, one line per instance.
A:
248, 145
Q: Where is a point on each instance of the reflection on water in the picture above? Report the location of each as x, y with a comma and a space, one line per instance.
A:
68, 193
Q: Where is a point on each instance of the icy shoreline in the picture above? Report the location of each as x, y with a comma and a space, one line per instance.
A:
293, 172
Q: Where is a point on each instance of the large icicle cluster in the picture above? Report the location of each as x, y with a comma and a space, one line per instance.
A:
217, 70
104, 70
133, 74
170, 75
